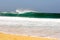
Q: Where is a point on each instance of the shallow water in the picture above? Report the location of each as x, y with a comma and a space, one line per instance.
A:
31, 27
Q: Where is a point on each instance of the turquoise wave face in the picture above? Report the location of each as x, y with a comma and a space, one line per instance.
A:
32, 15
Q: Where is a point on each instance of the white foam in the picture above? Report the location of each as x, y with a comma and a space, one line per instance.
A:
24, 11
43, 27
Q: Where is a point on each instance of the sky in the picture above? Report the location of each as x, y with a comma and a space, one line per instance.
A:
39, 5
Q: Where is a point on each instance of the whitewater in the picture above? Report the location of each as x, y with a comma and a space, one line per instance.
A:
40, 27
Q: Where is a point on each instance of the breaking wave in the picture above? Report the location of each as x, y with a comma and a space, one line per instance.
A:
30, 14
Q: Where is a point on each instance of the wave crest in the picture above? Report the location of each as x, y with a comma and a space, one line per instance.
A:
24, 11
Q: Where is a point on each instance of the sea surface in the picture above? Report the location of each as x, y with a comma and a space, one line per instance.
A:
31, 14
40, 25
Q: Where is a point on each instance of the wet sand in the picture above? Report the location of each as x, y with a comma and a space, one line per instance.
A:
19, 37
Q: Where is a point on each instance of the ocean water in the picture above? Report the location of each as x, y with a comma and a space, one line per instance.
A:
31, 14
31, 24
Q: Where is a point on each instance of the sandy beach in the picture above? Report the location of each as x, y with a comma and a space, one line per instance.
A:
19, 37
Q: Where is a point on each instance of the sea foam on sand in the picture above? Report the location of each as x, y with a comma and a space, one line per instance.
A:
39, 27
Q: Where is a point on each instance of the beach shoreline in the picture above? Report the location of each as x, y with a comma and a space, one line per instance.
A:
4, 36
